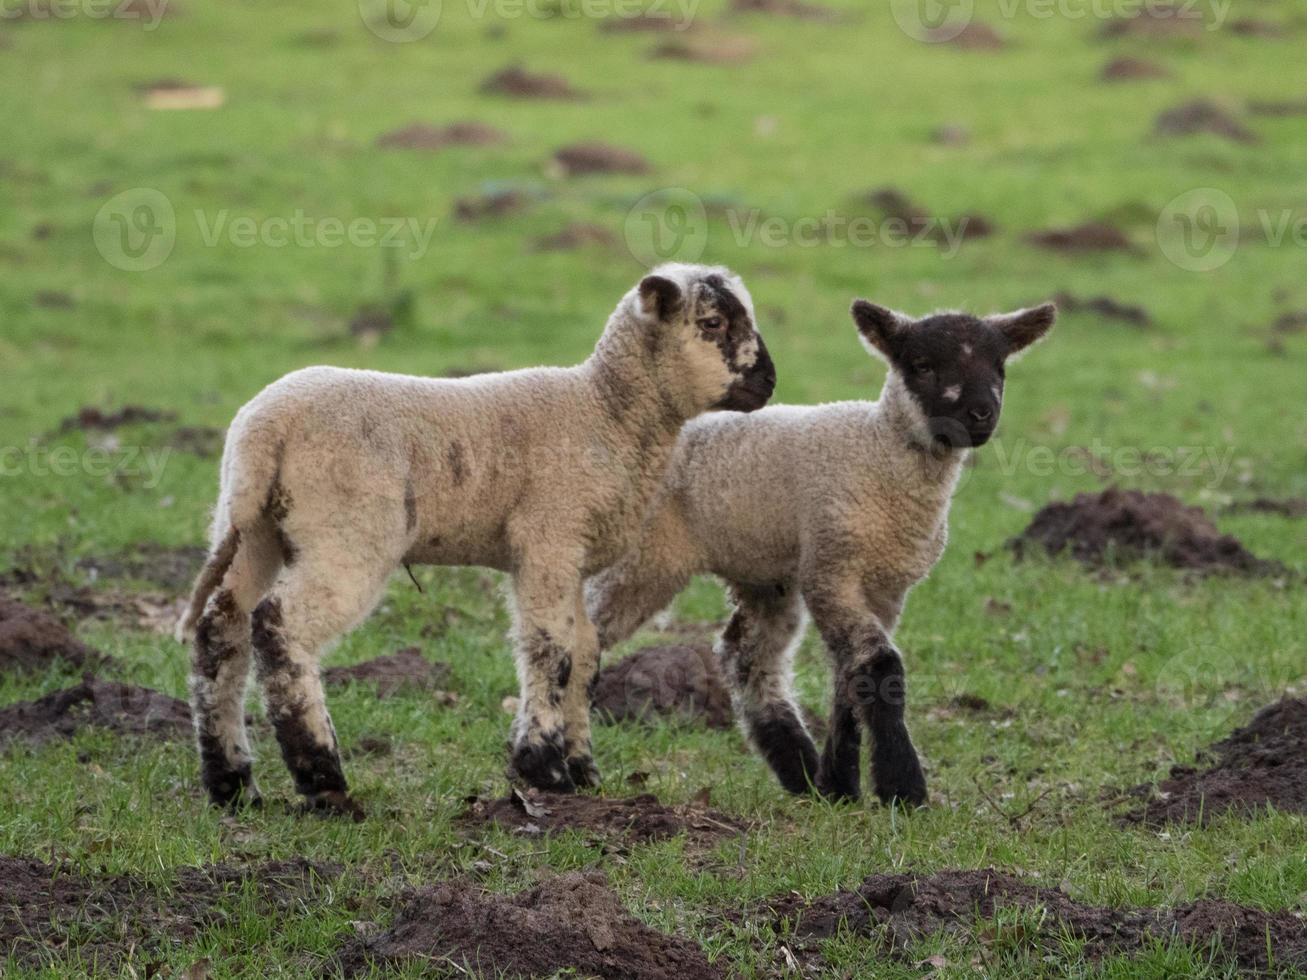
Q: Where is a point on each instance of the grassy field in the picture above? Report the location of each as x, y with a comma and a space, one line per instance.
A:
1096, 682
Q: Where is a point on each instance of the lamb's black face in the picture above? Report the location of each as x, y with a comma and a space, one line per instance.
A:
723, 319
954, 366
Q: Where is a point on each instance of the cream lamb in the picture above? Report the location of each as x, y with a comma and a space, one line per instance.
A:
331, 479
838, 508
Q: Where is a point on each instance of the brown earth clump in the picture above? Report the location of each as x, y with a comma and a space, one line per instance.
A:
91, 419
496, 204
1288, 507
898, 909
406, 669
897, 206
421, 136
677, 681
1278, 110
1252, 27
1129, 525
121, 708
717, 50
1132, 70
646, 23
634, 820
583, 159
1263, 764
577, 235
204, 441
571, 923
33, 640
1092, 236
1158, 21
1203, 116
799, 9
518, 83
1105, 307
973, 37
174, 568
118, 917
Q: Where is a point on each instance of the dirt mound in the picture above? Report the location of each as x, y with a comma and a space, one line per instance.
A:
645, 23
800, 9
974, 37
581, 159
1132, 69
682, 681
1129, 525
90, 419
32, 640
901, 908
1203, 117
1105, 307
518, 83
41, 904
406, 669
496, 204
717, 50
1289, 507
420, 136
1158, 21
1262, 764
951, 134
173, 568
572, 922
121, 708
897, 206
1252, 27
1279, 110
1092, 236
577, 235
635, 820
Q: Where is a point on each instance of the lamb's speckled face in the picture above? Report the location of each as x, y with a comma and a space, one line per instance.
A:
953, 364
720, 352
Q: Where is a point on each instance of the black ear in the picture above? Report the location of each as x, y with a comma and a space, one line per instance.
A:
882, 329
1024, 327
659, 297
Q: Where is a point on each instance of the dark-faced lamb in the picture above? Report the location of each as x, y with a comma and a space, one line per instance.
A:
331, 479
839, 508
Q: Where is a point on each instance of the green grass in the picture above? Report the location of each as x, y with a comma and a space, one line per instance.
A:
1086, 666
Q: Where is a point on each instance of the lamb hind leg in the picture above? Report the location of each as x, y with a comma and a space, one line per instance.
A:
756, 655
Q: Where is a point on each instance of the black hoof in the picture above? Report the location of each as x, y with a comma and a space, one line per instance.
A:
838, 794
584, 772
542, 766
911, 795
334, 803
232, 789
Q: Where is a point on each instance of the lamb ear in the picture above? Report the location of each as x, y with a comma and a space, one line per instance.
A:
659, 297
881, 329
1024, 327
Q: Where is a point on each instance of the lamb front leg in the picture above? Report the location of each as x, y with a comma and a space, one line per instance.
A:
576, 701
546, 631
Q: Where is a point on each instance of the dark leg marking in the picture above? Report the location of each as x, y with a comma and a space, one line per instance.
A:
788, 749
882, 695
837, 776
315, 766
228, 782
541, 763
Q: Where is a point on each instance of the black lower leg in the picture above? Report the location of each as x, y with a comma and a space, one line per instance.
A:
838, 777
896, 770
228, 785
786, 745
540, 761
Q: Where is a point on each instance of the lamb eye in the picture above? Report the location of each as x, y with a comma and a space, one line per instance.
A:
712, 323
922, 367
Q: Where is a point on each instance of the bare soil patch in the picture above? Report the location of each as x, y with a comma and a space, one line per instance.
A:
583, 159
174, 568
1202, 116
1278, 110
518, 83
1158, 21
679, 681
1262, 764
1133, 525
900, 908
49, 910
634, 820
1105, 307
951, 134
421, 136
1252, 27
54, 299
706, 50
406, 669
1092, 236
895, 205
799, 9
204, 441
974, 37
1287, 507
496, 204
91, 419
646, 23
32, 640
94, 703
577, 235
1132, 70
571, 922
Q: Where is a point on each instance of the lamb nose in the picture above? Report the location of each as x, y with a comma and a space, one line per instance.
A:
982, 414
